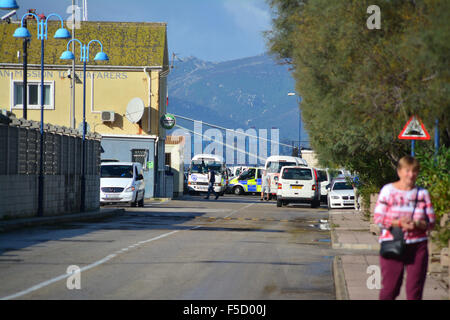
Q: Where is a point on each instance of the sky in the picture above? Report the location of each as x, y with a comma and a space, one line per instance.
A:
211, 30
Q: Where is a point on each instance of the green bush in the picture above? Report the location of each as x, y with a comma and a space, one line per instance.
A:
434, 176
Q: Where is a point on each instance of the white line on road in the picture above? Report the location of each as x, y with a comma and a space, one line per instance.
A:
105, 259
93, 265
235, 211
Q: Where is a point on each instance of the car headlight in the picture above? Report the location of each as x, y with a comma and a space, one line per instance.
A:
130, 189
335, 197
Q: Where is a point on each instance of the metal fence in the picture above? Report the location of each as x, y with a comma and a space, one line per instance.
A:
20, 149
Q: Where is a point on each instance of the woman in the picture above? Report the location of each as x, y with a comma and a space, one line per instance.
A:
402, 204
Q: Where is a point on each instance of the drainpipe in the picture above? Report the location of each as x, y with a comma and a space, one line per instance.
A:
149, 78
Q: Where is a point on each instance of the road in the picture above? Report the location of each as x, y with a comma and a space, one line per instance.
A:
231, 248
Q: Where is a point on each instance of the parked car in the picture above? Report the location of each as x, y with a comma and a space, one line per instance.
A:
122, 182
298, 184
248, 181
340, 194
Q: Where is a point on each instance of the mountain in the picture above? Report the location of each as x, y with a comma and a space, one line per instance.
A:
237, 94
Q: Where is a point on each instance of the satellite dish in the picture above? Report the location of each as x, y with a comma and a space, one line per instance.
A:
80, 127
135, 110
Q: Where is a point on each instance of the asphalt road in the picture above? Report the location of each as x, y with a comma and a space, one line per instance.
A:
231, 248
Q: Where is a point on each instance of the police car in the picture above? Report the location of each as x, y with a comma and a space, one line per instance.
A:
248, 181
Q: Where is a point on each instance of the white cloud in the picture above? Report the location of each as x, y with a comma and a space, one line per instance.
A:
249, 15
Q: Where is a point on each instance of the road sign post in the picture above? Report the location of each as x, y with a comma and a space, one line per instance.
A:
414, 130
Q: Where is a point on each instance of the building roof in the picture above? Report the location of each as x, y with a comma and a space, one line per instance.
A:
126, 43
175, 140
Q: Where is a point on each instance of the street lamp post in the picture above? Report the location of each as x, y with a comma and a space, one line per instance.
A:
299, 124
84, 57
61, 33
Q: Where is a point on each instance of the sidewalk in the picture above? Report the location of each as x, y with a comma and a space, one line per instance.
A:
13, 224
350, 230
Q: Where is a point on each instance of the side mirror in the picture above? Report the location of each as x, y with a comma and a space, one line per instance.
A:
328, 186
140, 177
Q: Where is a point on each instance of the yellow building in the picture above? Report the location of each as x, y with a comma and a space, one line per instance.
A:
125, 97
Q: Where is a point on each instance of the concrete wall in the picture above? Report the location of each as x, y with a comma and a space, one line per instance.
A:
310, 157
19, 170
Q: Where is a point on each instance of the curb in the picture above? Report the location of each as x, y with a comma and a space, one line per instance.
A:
38, 221
340, 286
158, 200
335, 244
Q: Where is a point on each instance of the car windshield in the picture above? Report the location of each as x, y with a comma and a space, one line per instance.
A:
247, 175
199, 166
116, 171
342, 186
275, 166
296, 174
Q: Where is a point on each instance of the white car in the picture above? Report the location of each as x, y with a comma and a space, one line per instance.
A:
298, 184
122, 182
340, 194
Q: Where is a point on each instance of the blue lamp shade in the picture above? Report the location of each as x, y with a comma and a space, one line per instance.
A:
67, 55
8, 4
22, 32
101, 56
62, 33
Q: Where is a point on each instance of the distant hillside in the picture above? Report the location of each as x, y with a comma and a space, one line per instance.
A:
244, 93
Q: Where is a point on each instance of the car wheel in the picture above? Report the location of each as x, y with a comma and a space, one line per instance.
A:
285, 203
134, 203
315, 204
238, 191
279, 203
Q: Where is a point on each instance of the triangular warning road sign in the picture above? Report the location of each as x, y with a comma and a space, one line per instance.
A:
414, 130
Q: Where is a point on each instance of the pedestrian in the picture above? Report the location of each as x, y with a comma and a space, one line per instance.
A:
265, 185
211, 181
404, 206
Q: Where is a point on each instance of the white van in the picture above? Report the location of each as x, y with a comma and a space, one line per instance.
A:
198, 173
298, 184
122, 182
273, 167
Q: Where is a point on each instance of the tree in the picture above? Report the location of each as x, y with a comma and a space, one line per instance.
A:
360, 86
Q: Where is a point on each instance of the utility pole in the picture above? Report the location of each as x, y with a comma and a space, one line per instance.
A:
73, 82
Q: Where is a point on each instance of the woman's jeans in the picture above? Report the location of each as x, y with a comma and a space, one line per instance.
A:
415, 260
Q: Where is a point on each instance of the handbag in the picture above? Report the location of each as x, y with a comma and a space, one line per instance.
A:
394, 249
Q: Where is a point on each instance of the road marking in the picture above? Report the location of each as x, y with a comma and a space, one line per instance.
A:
235, 211
92, 265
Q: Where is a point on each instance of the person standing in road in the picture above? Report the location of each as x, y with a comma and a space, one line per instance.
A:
402, 204
211, 181
265, 184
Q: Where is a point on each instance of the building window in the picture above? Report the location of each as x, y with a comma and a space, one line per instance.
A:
34, 95
168, 161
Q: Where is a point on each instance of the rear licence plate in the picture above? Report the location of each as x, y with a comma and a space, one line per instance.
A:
296, 187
